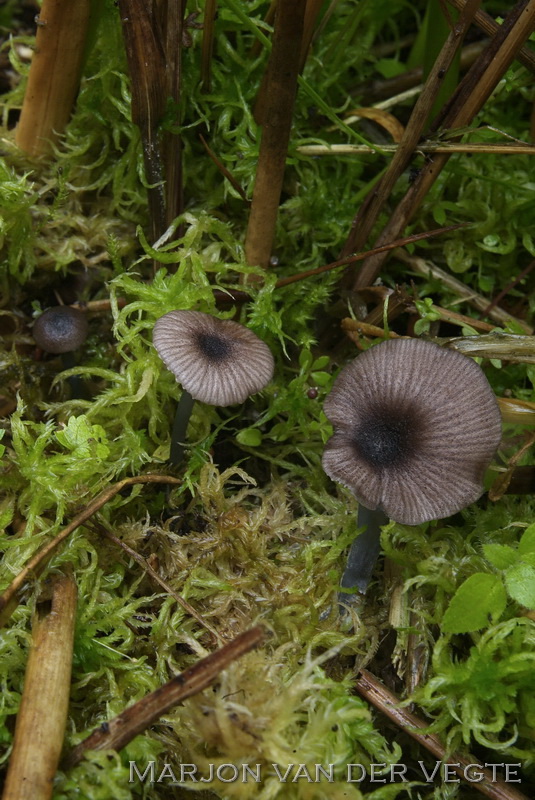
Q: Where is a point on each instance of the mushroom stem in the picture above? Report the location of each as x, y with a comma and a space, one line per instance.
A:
77, 385
180, 426
364, 550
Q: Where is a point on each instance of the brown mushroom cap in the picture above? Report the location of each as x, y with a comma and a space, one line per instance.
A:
60, 329
415, 427
219, 362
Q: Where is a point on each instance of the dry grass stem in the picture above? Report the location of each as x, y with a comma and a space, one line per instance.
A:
466, 102
378, 695
369, 211
146, 64
502, 346
40, 728
276, 119
477, 301
120, 730
10, 597
475, 148
54, 74
489, 26
518, 412
207, 43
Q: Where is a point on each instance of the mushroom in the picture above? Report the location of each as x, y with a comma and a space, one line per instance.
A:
219, 362
61, 330
415, 427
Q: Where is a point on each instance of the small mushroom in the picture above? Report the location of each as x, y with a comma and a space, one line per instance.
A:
61, 330
219, 362
415, 428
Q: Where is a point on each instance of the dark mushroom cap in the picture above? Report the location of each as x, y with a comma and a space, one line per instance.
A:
415, 427
219, 362
60, 329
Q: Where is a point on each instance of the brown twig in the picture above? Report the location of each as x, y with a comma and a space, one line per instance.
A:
459, 111
10, 597
54, 74
120, 730
501, 484
361, 256
276, 119
374, 202
378, 695
224, 171
42, 716
155, 577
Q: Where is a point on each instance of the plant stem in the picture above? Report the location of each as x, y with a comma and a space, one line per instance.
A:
274, 112
364, 550
180, 426
42, 717
54, 74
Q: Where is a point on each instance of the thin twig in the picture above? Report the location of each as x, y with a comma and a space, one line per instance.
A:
155, 577
120, 730
224, 171
10, 597
378, 695
361, 256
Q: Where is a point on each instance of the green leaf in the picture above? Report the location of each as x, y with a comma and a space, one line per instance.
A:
84, 439
500, 556
520, 583
481, 596
320, 378
305, 359
527, 541
321, 362
251, 437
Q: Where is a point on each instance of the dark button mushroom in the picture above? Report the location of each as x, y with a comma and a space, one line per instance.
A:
219, 362
416, 426
60, 329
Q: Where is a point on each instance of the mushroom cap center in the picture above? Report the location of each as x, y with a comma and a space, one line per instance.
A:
386, 438
214, 347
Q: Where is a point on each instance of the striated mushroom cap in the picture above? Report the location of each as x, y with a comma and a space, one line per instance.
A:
415, 428
219, 362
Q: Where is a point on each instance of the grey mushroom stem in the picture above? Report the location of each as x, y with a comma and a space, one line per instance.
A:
180, 426
364, 550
